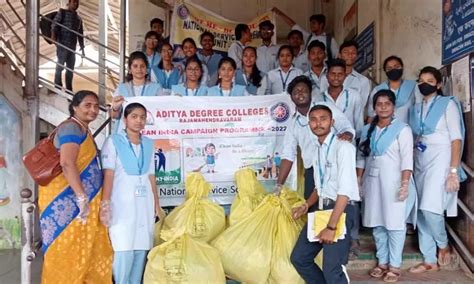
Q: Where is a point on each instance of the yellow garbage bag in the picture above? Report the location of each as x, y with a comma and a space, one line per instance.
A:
246, 247
257, 249
183, 260
157, 240
250, 194
286, 234
201, 218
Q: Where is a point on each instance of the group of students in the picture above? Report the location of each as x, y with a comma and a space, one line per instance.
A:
404, 164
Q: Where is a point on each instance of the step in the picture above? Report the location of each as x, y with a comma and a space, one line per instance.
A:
411, 254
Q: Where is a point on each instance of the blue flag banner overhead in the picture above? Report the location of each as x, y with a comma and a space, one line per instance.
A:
458, 29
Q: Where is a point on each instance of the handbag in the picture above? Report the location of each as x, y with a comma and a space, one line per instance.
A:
43, 161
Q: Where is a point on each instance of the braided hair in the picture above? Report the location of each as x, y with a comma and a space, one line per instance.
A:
364, 146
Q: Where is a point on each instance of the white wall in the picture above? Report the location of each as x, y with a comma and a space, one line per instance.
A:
406, 28
140, 13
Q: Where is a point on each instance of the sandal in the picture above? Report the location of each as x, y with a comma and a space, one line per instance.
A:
444, 256
392, 275
424, 267
378, 271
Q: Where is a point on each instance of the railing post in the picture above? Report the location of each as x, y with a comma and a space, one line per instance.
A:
122, 38
29, 137
28, 253
101, 48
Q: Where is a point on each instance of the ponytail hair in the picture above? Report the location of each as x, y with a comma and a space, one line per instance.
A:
364, 146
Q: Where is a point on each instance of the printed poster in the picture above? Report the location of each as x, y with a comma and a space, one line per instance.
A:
216, 136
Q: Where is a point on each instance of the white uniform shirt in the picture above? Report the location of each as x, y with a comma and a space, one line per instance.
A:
235, 52
350, 104
360, 84
278, 80
320, 83
267, 57
299, 134
337, 161
301, 60
321, 38
132, 218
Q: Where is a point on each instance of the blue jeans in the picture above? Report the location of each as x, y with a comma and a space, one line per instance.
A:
128, 266
334, 256
68, 59
389, 245
431, 234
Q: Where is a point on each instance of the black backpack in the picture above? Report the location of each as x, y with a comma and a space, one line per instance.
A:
45, 25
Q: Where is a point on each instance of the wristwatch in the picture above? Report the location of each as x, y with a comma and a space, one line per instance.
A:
453, 170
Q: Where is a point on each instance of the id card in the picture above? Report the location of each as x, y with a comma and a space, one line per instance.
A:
140, 190
420, 146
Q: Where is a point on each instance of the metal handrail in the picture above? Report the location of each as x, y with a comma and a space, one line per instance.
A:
82, 35
51, 60
77, 73
12, 29
15, 12
14, 54
74, 51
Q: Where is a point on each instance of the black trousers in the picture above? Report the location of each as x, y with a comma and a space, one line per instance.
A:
334, 256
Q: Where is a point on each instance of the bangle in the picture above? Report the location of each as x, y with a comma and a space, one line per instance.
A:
331, 228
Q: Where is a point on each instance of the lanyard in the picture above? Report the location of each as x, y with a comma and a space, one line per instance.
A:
141, 158
152, 59
283, 82
299, 122
222, 93
422, 123
321, 172
142, 92
398, 91
167, 78
193, 93
346, 94
315, 82
374, 142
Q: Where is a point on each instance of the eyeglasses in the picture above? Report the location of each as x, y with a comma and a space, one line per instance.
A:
193, 69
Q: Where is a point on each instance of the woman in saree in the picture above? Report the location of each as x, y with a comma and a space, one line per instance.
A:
75, 244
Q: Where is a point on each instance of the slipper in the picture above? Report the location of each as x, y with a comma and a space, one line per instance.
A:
424, 267
378, 271
444, 256
392, 275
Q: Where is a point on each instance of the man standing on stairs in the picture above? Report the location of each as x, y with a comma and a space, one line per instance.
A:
66, 41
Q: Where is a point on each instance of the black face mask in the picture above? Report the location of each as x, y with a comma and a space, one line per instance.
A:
427, 89
394, 74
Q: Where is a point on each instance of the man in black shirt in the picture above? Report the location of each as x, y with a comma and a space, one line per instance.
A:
67, 38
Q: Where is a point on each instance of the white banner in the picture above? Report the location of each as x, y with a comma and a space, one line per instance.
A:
216, 136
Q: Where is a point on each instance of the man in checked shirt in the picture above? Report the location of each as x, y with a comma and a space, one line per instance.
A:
66, 40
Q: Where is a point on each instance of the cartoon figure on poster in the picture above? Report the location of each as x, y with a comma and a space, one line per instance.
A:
211, 156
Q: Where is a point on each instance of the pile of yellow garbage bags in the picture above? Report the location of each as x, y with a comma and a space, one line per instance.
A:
195, 247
